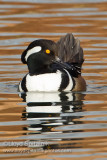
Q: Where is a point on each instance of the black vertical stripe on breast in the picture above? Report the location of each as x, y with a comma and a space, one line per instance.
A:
65, 81
23, 84
73, 83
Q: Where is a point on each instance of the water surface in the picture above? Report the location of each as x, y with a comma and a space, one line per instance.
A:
50, 126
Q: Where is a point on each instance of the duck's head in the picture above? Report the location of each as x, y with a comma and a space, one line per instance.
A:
39, 54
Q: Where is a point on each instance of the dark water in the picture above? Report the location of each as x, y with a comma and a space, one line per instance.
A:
50, 126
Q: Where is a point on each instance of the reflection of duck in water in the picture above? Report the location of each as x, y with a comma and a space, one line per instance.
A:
53, 66
48, 110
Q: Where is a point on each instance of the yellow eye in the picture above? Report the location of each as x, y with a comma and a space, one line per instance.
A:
48, 51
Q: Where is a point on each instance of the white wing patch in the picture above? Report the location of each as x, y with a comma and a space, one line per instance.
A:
33, 50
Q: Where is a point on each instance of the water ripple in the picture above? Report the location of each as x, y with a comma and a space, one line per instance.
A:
58, 1
39, 15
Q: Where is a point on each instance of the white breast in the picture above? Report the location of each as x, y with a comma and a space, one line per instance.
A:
44, 82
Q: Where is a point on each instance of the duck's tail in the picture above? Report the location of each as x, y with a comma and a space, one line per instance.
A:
69, 50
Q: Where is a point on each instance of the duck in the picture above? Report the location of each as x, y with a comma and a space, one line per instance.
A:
53, 66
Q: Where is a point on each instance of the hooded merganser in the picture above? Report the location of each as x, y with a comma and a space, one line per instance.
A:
53, 66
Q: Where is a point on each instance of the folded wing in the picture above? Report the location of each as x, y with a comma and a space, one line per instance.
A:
69, 50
